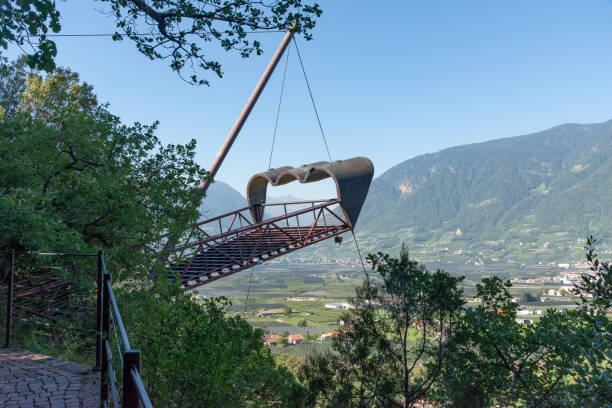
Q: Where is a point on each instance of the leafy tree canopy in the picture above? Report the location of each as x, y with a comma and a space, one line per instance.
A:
558, 360
597, 284
176, 31
197, 356
391, 355
74, 178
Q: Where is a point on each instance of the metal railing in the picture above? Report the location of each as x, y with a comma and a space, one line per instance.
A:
112, 348
220, 228
132, 392
202, 260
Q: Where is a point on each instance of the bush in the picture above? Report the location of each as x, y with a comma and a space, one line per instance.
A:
193, 355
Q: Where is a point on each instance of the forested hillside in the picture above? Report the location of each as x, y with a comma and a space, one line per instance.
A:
556, 180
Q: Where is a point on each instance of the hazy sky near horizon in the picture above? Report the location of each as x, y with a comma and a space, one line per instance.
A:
392, 80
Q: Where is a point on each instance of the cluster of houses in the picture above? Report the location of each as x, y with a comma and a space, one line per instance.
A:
562, 291
525, 311
334, 305
275, 339
564, 278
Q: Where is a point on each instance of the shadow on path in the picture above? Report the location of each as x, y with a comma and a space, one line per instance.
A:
33, 380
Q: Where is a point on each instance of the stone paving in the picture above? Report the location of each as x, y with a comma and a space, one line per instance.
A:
34, 380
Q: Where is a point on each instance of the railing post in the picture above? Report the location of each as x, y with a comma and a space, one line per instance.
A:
9, 299
131, 360
99, 312
287, 218
104, 383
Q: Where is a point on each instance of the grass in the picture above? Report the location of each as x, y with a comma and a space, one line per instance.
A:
64, 344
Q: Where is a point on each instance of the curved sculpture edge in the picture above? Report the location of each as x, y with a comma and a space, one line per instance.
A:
352, 178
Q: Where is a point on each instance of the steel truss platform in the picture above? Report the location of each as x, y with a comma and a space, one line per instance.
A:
230, 243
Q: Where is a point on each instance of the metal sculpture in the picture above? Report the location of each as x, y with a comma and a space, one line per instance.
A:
238, 240
244, 238
352, 178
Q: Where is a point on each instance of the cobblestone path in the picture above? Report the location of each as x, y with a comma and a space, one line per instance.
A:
34, 380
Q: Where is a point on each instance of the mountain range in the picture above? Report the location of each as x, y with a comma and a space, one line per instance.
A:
531, 198
221, 198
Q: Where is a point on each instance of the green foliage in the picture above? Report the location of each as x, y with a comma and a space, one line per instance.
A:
22, 19
287, 310
593, 381
195, 356
382, 358
497, 361
290, 362
175, 30
597, 284
74, 178
561, 359
346, 318
12, 84
302, 323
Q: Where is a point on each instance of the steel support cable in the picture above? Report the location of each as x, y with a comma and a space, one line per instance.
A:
280, 100
246, 303
367, 276
312, 99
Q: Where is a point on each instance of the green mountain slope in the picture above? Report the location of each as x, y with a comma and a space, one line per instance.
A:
521, 189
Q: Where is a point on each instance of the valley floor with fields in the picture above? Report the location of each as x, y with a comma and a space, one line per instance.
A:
288, 298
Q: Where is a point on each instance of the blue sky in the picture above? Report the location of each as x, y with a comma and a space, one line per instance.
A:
392, 79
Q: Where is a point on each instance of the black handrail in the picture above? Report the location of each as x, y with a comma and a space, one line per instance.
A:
141, 388
133, 391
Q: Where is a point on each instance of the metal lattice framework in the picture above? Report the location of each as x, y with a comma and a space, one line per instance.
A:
230, 243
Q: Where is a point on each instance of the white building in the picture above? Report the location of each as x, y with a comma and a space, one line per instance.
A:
339, 305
